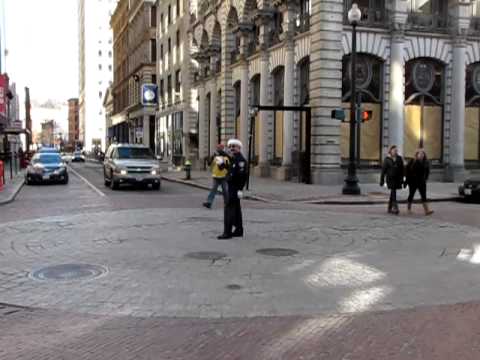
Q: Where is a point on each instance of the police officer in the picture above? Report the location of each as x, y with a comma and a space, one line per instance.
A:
237, 178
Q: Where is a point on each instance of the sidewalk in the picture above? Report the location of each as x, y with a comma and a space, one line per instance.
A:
268, 190
12, 187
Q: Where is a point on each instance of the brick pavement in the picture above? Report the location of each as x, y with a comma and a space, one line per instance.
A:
11, 188
426, 333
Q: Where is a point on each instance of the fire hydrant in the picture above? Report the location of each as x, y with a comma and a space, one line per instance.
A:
188, 169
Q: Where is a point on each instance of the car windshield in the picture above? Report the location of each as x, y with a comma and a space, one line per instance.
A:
47, 159
134, 153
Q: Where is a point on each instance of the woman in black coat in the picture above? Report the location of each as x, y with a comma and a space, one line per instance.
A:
393, 171
418, 170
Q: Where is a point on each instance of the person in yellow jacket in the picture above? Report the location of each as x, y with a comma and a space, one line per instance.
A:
219, 164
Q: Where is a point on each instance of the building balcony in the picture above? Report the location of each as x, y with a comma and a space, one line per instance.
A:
475, 25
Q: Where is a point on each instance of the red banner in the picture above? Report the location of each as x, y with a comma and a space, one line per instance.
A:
3, 94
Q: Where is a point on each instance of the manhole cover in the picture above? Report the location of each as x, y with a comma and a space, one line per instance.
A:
206, 255
234, 287
277, 252
69, 272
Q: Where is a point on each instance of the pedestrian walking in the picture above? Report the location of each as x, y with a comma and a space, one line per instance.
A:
219, 164
393, 171
237, 177
418, 170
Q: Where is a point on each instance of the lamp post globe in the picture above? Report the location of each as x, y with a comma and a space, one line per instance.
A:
354, 14
351, 181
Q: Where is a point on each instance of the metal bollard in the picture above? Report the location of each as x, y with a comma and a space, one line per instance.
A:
188, 169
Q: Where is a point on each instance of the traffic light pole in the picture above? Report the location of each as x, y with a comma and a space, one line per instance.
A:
351, 181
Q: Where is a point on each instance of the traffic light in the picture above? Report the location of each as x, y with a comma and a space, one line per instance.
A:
365, 115
338, 114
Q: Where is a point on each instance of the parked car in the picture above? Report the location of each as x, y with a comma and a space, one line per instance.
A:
46, 167
470, 188
131, 164
47, 149
78, 156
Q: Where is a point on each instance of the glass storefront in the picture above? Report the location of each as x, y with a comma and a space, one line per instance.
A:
472, 116
278, 89
424, 108
369, 75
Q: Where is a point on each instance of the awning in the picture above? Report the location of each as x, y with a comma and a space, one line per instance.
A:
118, 118
16, 131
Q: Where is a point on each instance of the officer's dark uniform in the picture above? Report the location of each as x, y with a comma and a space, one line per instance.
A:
233, 212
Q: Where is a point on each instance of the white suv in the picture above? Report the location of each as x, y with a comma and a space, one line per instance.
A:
131, 164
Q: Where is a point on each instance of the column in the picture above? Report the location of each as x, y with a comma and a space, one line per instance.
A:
460, 13
213, 118
244, 106
202, 138
457, 122
146, 130
288, 101
397, 96
263, 125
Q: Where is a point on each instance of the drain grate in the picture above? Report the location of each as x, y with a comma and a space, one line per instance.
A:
69, 272
206, 255
277, 252
234, 287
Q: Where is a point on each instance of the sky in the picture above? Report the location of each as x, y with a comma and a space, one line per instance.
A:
42, 45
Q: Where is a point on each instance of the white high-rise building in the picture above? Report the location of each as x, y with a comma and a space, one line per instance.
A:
96, 68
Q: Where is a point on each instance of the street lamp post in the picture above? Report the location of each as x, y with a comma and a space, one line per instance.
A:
351, 181
253, 114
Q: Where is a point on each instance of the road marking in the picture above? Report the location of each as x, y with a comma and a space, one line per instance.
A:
93, 187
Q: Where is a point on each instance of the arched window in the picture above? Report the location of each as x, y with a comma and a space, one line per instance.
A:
472, 116
237, 88
278, 89
304, 96
424, 79
369, 75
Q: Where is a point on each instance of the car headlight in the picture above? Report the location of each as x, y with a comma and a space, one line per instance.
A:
123, 172
154, 172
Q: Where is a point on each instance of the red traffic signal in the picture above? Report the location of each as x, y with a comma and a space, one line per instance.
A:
366, 115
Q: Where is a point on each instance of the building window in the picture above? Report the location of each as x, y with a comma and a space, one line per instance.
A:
178, 81
99, 66
278, 85
154, 79
169, 46
161, 52
99, 52
100, 94
178, 8
169, 89
153, 50
153, 16
109, 67
303, 17
161, 23
424, 83
162, 89
178, 40
428, 15
109, 54
169, 15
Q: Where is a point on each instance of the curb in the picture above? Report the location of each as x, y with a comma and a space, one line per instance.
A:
318, 202
12, 196
204, 187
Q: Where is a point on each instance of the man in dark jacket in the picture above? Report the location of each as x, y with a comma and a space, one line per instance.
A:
418, 170
393, 170
237, 178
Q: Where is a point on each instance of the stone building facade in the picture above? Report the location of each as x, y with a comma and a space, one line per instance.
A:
134, 25
176, 131
73, 123
418, 72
